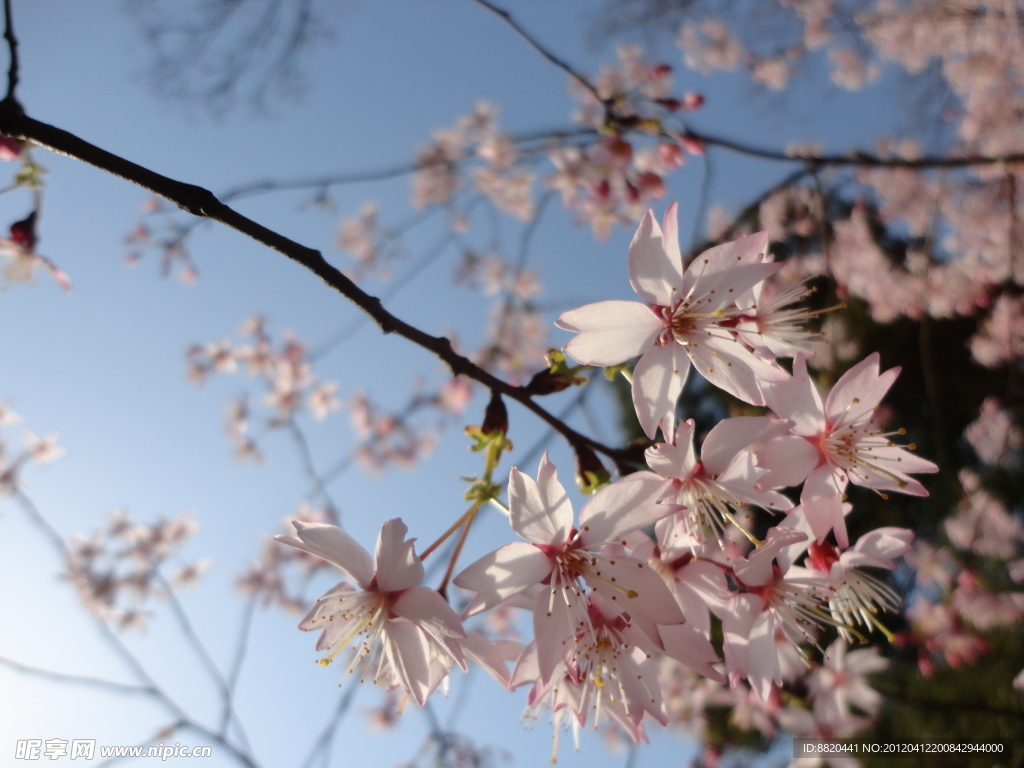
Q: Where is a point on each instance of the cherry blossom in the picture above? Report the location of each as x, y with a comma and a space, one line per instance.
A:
562, 556
715, 490
837, 441
390, 618
685, 319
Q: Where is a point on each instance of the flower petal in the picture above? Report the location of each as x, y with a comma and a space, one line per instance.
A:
858, 391
688, 646
789, 460
658, 380
610, 332
425, 608
677, 458
506, 572
488, 655
822, 500
730, 436
335, 546
553, 630
798, 400
622, 508
729, 365
539, 511
655, 265
407, 651
398, 567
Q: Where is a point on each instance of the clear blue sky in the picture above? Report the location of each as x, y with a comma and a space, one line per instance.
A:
104, 366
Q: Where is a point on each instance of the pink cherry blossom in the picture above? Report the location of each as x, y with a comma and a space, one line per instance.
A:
390, 620
772, 600
563, 556
685, 318
840, 682
715, 490
837, 441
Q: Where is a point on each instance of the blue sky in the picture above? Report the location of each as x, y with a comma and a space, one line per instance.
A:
104, 366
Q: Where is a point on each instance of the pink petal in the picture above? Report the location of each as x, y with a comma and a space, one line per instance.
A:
745, 250
712, 288
788, 459
676, 459
407, 650
797, 400
335, 546
655, 265
756, 570
688, 646
621, 508
879, 548
506, 572
763, 656
398, 567
796, 520
488, 655
736, 623
730, 436
526, 669
740, 483
858, 391
539, 511
610, 332
658, 380
822, 500
651, 603
888, 468
729, 365
426, 608
553, 630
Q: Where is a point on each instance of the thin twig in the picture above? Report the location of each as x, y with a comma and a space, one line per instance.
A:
185, 624
323, 743
236, 666
148, 684
547, 54
10, 100
94, 682
702, 202
854, 158
306, 457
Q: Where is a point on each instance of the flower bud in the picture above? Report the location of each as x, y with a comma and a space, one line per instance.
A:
23, 232
590, 472
496, 416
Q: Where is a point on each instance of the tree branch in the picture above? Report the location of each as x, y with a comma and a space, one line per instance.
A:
201, 202
547, 54
92, 682
12, 72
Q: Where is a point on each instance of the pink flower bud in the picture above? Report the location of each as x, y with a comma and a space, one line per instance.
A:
671, 155
693, 101
10, 149
692, 145
23, 232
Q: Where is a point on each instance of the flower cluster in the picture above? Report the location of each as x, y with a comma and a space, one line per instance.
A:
34, 450
631, 591
118, 568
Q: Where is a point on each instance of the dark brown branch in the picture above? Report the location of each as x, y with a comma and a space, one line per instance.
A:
855, 158
202, 202
12, 72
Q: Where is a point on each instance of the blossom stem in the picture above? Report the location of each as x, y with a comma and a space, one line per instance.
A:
469, 516
455, 526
